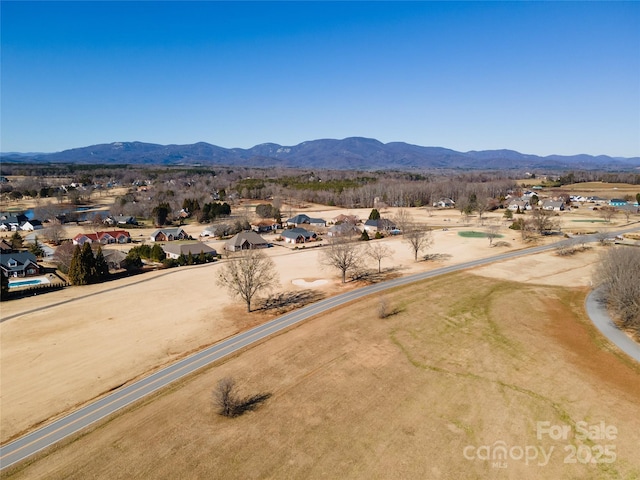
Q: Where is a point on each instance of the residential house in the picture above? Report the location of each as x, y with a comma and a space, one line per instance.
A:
519, 204
5, 247
298, 235
264, 226
444, 203
342, 218
246, 240
555, 205
31, 225
11, 223
104, 238
343, 230
120, 220
168, 234
175, 250
116, 259
303, 219
19, 264
617, 202
379, 225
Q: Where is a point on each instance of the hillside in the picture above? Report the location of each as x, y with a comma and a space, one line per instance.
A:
349, 153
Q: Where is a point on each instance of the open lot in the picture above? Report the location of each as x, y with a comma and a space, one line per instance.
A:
468, 362
353, 395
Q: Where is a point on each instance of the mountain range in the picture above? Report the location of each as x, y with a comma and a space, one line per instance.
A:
353, 153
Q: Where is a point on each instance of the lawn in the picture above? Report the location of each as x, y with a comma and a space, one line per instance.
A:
474, 234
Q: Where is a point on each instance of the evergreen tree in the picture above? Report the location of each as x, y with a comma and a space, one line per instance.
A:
16, 241
133, 260
76, 273
88, 262
374, 215
101, 269
36, 248
161, 212
157, 253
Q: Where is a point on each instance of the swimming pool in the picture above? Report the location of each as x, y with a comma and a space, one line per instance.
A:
28, 282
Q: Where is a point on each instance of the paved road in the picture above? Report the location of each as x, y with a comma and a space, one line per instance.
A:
600, 317
56, 431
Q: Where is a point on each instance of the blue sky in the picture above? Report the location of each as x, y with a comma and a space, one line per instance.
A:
537, 77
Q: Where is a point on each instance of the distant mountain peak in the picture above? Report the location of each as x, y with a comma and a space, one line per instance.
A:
356, 153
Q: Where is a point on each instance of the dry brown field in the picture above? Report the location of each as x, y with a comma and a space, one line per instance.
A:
62, 349
466, 365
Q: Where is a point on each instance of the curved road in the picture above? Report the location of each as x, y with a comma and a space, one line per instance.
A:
600, 317
56, 431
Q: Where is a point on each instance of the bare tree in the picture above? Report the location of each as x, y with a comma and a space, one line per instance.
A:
63, 255
54, 233
617, 275
543, 222
343, 254
403, 219
252, 271
492, 233
379, 251
383, 307
602, 237
229, 402
482, 206
607, 213
418, 237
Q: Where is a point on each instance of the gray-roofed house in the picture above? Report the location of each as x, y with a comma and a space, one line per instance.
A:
174, 250
168, 234
246, 240
298, 235
379, 225
302, 219
343, 230
555, 205
19, 264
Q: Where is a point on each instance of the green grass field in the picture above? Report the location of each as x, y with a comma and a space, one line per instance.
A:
474, 234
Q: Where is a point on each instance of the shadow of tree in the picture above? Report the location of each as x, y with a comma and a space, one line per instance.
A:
285, 301
437, 256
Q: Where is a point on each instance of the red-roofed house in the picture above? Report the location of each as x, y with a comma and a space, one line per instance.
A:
105, 238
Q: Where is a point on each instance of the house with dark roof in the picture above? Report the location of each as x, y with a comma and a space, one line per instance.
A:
120, 220
31, 225
11, 223
264, 226
298, 235
246, 240
19, 264
302, 219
